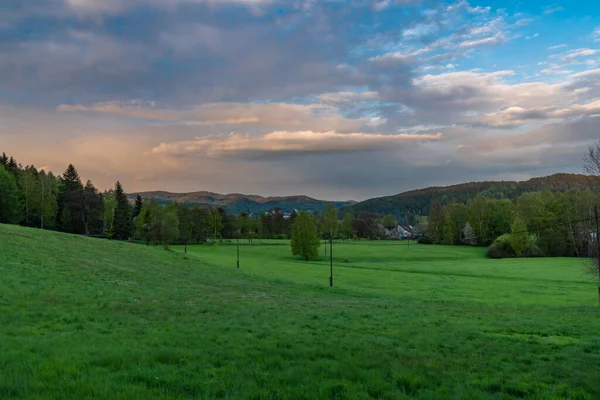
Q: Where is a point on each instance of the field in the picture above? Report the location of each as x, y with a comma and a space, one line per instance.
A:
88, 318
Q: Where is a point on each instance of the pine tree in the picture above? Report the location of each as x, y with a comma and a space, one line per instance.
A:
70, 215
9, 198
139, 203
93, 209
305, 241
122, 221
71, 179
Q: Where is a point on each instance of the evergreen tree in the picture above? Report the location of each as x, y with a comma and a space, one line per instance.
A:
138, 206
9, 198
70, 210
305, 241
71, 179
93, 210
13, 168
122, 219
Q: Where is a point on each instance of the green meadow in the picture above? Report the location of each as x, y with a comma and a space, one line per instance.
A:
89, 318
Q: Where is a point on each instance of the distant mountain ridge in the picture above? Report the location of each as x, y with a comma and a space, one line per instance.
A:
417, 202
237, 202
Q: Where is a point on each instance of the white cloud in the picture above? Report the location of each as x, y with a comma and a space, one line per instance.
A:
420, 30
553, 9
516, 115
558, 46
498, 38
576, 54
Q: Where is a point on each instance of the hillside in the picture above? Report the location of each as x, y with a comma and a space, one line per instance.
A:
90, 318
237, 202
417, 202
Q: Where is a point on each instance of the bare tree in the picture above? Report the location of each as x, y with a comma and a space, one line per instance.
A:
591, 166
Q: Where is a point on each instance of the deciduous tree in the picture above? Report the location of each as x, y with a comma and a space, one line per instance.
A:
305, 241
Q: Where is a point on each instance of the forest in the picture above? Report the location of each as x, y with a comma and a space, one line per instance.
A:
559, 224
409, 205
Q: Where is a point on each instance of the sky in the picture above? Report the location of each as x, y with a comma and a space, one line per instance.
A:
333, 99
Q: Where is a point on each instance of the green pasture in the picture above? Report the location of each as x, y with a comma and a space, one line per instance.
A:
88, 318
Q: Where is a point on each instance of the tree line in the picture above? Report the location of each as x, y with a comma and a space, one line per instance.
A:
36, 198
545, 223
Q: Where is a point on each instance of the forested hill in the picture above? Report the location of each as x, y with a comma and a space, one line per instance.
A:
417, 202
236, 202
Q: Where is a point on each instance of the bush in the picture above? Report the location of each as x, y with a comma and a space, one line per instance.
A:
532, 251
501, 250
424, 240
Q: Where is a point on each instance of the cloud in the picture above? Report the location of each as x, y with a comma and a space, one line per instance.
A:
553, 9
498, 38
271, 115
289, 143
516, 115
577, 53
558, 46
375, 96
113, 7
420, 30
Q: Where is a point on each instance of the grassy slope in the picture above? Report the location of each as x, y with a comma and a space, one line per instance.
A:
89, 318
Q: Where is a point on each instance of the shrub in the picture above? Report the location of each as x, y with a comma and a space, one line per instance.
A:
501, 250
424, 240
532, 251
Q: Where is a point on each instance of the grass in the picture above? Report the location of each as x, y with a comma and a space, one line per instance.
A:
84, 318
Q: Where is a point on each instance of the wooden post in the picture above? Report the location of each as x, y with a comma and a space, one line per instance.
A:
331, 260
238, 253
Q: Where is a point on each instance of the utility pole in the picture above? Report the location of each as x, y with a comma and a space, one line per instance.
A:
238, 252
597, 249
331, 260
42, 213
